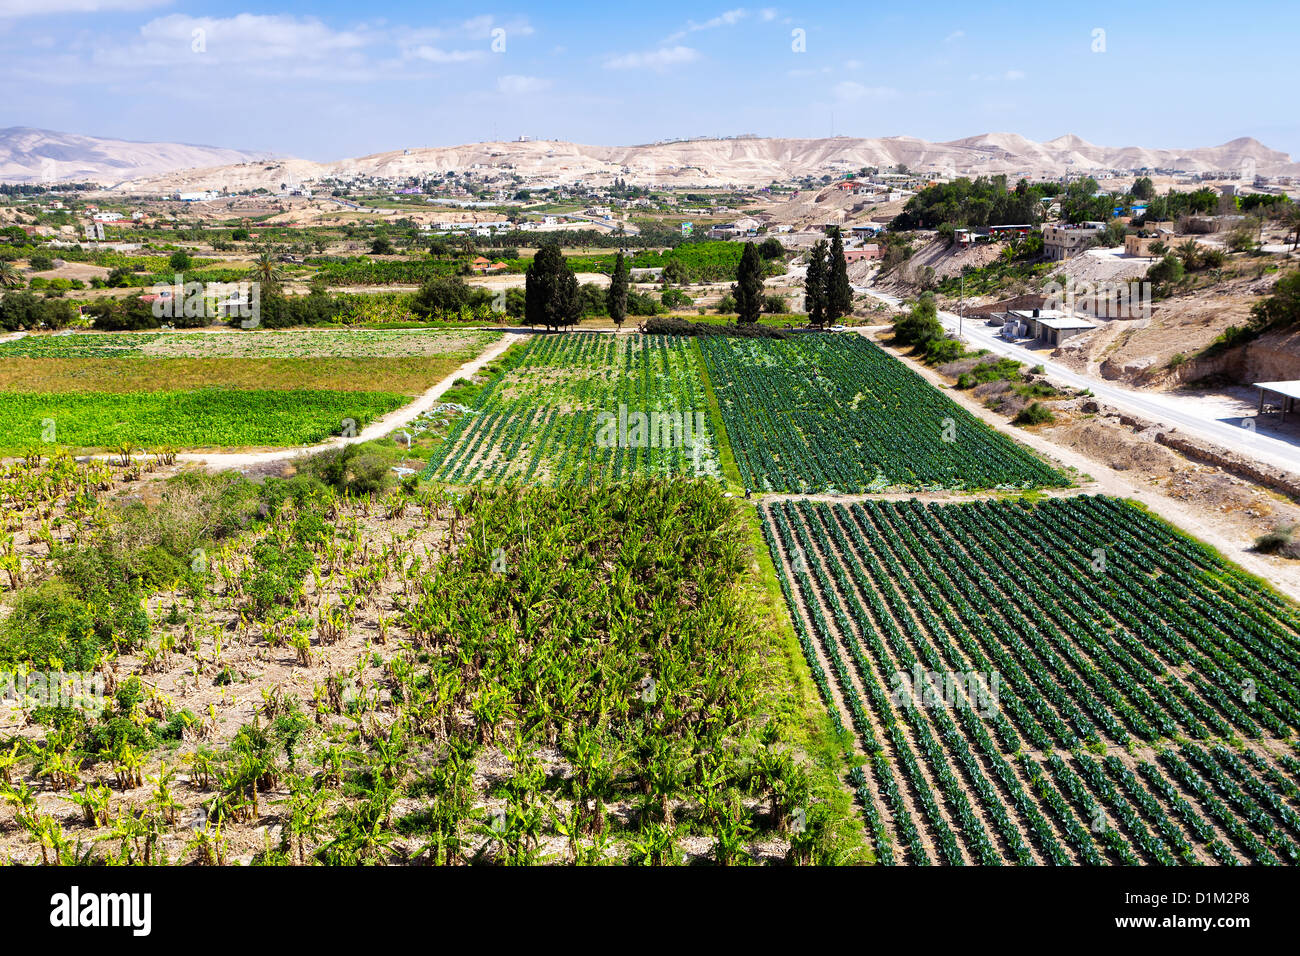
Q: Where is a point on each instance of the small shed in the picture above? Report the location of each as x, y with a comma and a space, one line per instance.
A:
1285, 394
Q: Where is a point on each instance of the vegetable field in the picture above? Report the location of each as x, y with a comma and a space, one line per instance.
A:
1068, 682
205, 418
586, 407
820, 413
253, 344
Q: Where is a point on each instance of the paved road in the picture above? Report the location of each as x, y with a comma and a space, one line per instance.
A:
1247, 436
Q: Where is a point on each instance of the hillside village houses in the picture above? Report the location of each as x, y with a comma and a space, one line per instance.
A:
746, 226
1064, 241
1139, 244
869, 251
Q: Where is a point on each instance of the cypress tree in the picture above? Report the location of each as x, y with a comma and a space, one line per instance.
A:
551, 290
839, 293
814, 285
616, 297
748, 289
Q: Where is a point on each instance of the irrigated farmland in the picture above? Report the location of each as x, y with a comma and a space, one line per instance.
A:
352, 343
817, 413
586, 407
202, 418
191, 390
1067, 682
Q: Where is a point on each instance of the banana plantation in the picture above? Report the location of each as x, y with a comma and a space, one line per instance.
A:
433, 676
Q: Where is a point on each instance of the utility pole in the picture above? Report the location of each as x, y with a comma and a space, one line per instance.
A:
961, 311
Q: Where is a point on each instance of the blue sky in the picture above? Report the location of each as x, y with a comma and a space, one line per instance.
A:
325, 80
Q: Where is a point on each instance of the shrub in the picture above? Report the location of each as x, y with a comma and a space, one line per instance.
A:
676, 299
672, 325
1035, 414
938, 351
1167, 271
919, 326
49, 624
355, 469
1281, 540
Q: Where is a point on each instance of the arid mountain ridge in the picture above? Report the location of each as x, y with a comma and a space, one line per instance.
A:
29, 155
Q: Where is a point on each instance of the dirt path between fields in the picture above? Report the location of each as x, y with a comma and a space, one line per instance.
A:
219, 461
1108, 481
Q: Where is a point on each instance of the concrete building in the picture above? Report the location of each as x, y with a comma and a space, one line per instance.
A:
870, 251
1139, 244
1051, 326
1066, 241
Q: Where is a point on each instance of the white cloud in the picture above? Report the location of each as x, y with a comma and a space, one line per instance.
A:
179, 39
851, 90
852, 64
955, 35
515, 85
659, 59
728, 19
484, 24
45, 8
433, 54
1014, 75
767, 14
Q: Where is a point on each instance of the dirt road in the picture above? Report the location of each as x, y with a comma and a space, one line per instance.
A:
218, 461
1245, 435
1281, 573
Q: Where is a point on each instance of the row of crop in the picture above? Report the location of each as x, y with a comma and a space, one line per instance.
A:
894, 603
200, 418
1237, 664
586, 407
900, 652
815, 413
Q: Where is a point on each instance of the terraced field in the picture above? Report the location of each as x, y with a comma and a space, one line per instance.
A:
1067, 682
586, 407
821, 413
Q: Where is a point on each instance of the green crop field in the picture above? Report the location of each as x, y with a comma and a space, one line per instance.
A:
816, 413
583, 407
1071, 682
203, 418
309, 343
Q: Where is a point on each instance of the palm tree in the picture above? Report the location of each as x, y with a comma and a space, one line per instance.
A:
266, 271
1291, 217
10, 278
1189, 252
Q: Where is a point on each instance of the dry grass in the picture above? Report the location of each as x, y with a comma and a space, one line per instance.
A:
404, 376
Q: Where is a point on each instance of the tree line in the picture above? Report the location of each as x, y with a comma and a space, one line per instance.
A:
828, 296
